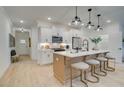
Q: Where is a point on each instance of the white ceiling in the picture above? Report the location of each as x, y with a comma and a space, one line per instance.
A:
62, 14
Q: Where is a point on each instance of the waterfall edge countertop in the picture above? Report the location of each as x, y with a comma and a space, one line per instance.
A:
80, 53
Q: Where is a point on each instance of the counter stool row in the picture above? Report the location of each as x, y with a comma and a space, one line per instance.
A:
84, 66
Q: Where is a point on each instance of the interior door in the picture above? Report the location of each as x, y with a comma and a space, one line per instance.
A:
22, 43
116, 45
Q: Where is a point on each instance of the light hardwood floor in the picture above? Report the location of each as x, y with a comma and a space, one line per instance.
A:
27, 73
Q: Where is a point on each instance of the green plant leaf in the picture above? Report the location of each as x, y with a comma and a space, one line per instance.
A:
96, 40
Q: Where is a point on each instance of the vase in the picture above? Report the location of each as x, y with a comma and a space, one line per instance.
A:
95, 47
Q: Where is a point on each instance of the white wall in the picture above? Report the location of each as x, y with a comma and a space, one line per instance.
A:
122, 29
92, 33
5, 29
34, 42
123, 52
115, 40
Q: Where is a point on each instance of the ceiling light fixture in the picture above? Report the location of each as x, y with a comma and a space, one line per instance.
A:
21, 21
89, 24
69, 24
21, 29
108, 21
98, 26
49, 18
76, 21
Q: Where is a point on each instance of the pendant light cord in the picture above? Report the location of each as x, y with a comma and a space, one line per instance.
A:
89, 16
89, 10
98, 18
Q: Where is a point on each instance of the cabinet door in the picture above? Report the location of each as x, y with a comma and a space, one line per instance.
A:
57, 31
46, 35
51, 56
65, 37
39, 35
41, 59
43, 36
45, 57
49, 35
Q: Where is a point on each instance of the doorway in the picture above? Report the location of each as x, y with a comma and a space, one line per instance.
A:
22, 43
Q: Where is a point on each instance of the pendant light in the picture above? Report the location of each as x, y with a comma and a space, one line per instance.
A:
76, 21
89, 24
22, 29
98, 26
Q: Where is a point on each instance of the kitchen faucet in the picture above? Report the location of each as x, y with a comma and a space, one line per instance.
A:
86, 44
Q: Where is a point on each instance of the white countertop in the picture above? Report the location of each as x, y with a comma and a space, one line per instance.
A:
81, 53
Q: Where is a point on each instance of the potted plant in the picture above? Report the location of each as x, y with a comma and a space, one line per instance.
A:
96, 41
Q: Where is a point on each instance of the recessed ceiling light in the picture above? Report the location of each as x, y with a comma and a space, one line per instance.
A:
21, 21
108, 21
69, 24
49, 18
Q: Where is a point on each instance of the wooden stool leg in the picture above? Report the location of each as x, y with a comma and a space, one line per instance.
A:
82, 78
107, 68
105, 73
104, 65
94, 68
110, 68
70, 76
85, 75
101, 71
92, 74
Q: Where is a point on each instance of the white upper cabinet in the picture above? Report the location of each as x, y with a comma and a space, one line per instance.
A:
57, 31
46, 35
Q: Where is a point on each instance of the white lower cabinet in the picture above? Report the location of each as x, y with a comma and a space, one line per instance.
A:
45, 57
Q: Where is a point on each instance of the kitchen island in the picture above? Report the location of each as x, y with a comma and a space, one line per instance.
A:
63, 60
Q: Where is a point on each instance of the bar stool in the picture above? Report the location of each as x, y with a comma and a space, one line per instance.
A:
93, 63
105, 59
110, 58
102, 61
82, 67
